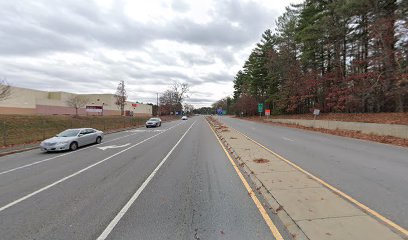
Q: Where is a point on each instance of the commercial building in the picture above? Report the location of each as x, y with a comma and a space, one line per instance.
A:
36, 102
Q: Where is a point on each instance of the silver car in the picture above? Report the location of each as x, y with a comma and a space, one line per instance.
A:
153, 122
71, 139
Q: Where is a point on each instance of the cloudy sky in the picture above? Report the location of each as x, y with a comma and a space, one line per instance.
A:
86, 46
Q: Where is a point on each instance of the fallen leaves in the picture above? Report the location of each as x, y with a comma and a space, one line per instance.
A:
261, 160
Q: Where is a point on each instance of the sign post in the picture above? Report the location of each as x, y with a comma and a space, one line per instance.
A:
267, 112
260, 109
316, 112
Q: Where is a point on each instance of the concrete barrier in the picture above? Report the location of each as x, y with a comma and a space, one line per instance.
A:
394, 130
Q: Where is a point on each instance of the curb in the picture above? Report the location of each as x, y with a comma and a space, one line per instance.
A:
395, 229
17, 151
290, 225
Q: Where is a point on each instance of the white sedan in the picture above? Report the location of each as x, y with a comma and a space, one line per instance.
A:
71, 139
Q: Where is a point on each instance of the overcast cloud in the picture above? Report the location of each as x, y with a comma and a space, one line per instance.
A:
89, 46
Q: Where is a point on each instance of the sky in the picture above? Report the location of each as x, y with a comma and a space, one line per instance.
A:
89, 46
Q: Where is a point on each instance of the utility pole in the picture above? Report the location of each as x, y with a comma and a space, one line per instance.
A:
157, 104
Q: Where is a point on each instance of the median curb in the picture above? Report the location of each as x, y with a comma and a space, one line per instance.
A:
308, 208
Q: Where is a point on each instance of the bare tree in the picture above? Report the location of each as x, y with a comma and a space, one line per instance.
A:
4, 90
188, 108
77, 102
180, 91
167, 102
121, 97
171, 100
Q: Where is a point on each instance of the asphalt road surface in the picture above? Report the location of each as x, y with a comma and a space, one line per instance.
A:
373, 173
172, 182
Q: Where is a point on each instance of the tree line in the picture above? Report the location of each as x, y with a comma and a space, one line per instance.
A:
335, 55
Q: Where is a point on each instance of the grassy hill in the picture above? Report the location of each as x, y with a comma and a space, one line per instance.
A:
20, 129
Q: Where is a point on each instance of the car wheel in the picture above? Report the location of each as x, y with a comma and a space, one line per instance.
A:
98, 140
73, 146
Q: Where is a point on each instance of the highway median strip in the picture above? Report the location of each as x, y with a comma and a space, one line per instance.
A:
308, 207
274, 230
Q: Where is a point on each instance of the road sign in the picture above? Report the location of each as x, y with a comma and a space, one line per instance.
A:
260, 107
219, 111
267, 112
316, 112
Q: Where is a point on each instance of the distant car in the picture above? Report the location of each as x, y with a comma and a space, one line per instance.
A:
71, 139
184, 118
153, 122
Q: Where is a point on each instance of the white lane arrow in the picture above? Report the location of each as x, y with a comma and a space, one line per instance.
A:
113, 146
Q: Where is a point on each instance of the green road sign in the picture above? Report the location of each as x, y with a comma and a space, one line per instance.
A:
260, 107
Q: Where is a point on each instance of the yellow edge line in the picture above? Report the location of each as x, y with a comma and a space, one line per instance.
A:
344, 195
258, 204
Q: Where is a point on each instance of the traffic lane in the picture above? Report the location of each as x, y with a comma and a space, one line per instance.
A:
82, 206
373, 173
310, 143
21, 182
20, 159
196, 194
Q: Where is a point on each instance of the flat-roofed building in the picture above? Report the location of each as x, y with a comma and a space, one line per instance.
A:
36, 102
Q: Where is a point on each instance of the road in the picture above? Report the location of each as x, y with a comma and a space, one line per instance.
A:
173, 182
372, 173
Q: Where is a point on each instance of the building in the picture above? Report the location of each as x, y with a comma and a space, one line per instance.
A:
36, 102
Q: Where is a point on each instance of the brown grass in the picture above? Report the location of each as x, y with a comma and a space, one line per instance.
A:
24, 129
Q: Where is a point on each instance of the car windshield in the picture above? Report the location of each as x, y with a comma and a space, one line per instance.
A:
69, 133
154, 119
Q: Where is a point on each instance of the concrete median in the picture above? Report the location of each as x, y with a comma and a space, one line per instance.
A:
308, 208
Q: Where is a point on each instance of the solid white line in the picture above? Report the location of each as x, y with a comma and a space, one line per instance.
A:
288, 139
49, 159
76, 173
125, 208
